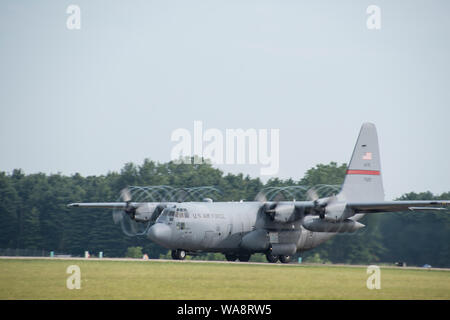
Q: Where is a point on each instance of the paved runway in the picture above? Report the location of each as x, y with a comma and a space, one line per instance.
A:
222, 262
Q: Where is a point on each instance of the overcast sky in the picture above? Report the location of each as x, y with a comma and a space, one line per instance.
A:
90, 100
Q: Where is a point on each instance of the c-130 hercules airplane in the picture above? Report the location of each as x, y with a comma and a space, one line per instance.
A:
278, 229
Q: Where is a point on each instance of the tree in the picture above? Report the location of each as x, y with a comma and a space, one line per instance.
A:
32, 236
331, 174
34, 214
417, 238
9, 220
134, 252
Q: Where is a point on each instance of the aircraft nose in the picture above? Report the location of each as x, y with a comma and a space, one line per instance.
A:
160, 233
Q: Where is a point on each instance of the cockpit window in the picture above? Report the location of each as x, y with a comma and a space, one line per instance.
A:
163, 217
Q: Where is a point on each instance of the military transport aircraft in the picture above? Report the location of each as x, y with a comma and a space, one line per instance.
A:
278, 229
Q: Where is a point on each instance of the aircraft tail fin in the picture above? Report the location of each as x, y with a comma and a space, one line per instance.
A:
363, 182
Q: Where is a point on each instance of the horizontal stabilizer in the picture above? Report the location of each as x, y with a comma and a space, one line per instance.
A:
396, 206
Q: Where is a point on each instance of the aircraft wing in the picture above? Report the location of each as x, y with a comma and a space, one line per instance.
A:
396, 206
304, 205
105, 205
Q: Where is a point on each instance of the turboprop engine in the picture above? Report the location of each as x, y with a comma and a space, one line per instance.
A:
144, 212
321, 225
136, 217
332, 215
333, 209
282, 212
337, 211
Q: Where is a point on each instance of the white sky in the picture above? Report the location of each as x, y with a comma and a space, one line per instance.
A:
90, 100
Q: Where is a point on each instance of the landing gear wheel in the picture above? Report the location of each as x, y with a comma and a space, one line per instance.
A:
285, 259
178, 254
271, 258
244, 257
181, 254
230, 257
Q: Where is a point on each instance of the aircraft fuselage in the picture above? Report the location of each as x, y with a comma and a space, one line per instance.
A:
222, 227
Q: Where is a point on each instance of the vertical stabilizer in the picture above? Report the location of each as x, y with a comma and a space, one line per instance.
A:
363, 182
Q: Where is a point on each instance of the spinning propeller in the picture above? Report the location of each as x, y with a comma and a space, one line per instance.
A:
332, 208
277, 210
329, 208
136, 217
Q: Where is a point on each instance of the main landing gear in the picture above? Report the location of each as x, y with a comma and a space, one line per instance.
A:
230, 257
178, 254
244, 257
274, 259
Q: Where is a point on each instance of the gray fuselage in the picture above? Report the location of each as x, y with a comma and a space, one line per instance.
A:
221, 227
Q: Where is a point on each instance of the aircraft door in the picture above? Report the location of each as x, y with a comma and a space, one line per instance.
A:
229, 230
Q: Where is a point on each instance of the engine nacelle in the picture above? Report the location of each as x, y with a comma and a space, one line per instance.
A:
284, 213
145, 212
321, 225
338, 211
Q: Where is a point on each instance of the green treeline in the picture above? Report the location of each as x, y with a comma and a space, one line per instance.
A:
34, 214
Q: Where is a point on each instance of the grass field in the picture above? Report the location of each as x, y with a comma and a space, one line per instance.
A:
46, 279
